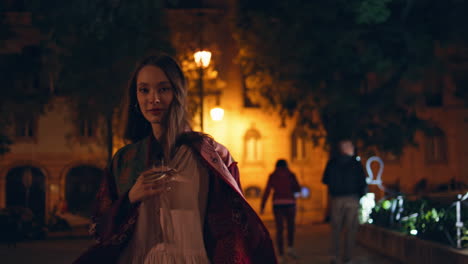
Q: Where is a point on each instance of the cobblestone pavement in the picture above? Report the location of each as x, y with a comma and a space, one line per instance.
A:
312, 245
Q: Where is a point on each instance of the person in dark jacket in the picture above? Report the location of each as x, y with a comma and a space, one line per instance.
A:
285, 185
346, 181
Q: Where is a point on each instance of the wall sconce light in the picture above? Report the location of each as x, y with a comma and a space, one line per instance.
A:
217, 114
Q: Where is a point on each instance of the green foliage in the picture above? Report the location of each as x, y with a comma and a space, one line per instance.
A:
373, 11
432, 220
5, 141
305, 56
88, 51
6, 31
92, 48
465, 235
381, 214
97, 44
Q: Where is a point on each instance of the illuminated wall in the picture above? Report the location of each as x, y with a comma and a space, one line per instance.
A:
55, 149
254, 137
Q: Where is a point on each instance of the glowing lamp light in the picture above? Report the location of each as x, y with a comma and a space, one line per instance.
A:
386, 204
414, 232
304, 193
367, 205
53, 188
202, 58
217, 114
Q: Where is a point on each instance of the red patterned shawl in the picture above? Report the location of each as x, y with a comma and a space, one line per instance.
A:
233, 232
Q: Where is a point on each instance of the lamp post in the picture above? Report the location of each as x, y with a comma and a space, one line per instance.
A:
202, 60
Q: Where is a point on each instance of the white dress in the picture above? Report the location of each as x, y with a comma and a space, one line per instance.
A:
169, 229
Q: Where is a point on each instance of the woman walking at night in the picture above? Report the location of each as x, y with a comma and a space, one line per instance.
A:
284, 184
173, 195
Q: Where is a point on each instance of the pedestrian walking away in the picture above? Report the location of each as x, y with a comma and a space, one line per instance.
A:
284, 185
346, 180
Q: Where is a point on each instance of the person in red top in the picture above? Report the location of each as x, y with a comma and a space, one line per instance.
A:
285, 185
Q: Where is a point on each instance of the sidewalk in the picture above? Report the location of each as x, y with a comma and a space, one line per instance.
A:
313, 245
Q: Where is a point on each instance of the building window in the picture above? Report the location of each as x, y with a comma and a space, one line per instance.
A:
436, 149
299, 145
461, 82
253, 146
25, 187
86, 128
25, 127
434, 90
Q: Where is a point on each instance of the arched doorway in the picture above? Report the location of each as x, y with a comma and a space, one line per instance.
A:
82, 184
25, 187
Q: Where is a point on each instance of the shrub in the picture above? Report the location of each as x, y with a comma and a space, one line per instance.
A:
426, 219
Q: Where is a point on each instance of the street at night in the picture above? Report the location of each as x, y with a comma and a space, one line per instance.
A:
180, 131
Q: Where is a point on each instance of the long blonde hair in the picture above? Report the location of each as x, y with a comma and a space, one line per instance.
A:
176, 121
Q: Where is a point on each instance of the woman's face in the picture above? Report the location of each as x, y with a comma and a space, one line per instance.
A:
154, 93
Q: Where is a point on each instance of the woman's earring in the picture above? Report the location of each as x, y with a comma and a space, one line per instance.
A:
136, 107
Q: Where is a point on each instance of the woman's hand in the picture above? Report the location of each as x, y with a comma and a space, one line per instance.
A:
146, 186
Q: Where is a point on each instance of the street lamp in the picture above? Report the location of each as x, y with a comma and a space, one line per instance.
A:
202, 59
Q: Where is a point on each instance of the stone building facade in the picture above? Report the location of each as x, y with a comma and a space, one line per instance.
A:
63, 160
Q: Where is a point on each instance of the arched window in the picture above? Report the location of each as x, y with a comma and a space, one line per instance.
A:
299, 151
253, 151
436, 148
25, 187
